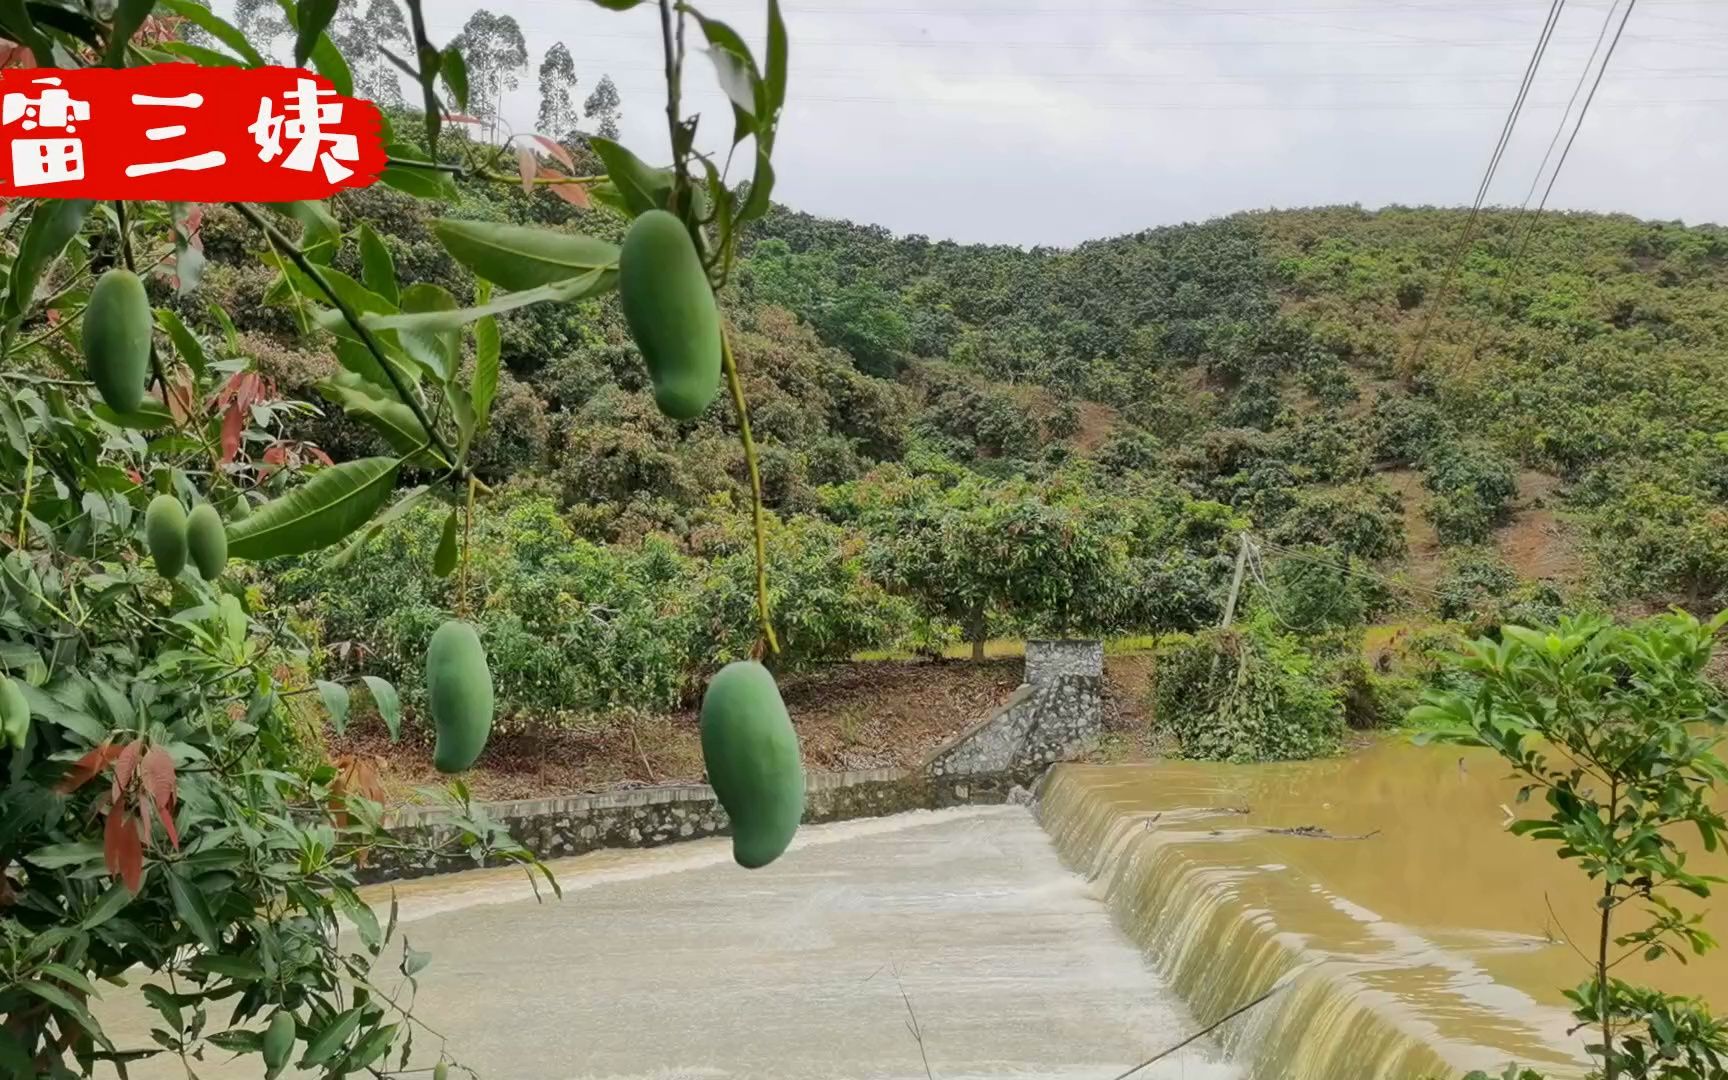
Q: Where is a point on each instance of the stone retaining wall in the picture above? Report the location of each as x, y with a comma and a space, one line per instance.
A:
1053, 717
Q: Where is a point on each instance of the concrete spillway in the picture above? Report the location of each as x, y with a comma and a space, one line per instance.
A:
674, 963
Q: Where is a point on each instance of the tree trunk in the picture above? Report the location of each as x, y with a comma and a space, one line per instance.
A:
976, 630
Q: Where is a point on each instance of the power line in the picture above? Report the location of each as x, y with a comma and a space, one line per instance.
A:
1559, 129
1468, 231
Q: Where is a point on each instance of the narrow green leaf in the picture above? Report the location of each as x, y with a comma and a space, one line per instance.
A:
201, 55
519, 257
207, 20
432, 345
444, 561
488, 348
335, 697
761, 188
59, 856
312, 17
454, 71
52, 226
16, 22
150, 415
377, 269
365, 536
388, 416
329, 1041
69, 1005
14, 1060
317, 514
128, 17
421, 183
775, 69
190, 906
111, 904
593, 283
388, 704
642, 188
185, 342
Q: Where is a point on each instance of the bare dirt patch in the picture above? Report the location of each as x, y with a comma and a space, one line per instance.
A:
1537, 542
1427, 564
862, 715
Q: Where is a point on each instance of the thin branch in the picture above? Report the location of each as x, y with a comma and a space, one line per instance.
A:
1202, 1033
310, 269
912, 1026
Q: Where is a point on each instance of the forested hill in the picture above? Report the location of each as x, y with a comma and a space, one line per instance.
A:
960, 441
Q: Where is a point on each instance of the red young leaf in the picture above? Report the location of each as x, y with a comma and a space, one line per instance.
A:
180, 401
122, 850
233, 421
124, 764
574, 194
526, 166
53, 316
313, 451
157, 776
556, 149
86, 768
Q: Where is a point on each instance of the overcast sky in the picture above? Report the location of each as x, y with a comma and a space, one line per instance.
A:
1056, 121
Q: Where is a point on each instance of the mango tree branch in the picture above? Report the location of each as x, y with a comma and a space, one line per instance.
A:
736, 385
367, 338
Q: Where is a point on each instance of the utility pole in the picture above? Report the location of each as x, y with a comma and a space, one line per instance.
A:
1236, 582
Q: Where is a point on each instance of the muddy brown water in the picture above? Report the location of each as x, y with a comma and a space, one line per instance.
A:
1437, 944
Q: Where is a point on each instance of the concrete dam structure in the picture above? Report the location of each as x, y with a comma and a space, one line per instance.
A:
1401, 931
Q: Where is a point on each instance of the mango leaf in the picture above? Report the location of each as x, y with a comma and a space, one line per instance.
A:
335, 698
462, 408
59, 856
200, 55
186, 343
52, 226
16, 22
313, 17
592, 283
736, 68
444, 560
389, 417
421, 183
110, 905
761, 188
69, 1005
377, 269
388, 704
618, 5
193, 911
150, 415
519, 257
317, 514
401, 506
437, 348
488, 348
774, 73
208, 21
329, 1041
128, 17
641, 187
454, 71
320, 235
14, 1060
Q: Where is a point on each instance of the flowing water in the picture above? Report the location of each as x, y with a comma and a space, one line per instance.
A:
1435, 945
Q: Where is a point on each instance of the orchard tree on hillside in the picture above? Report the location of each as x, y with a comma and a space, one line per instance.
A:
167, 815
557, 116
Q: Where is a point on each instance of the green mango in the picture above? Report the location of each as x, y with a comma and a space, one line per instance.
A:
117, 325
751, 751
239, 508
670, 310
14, 714
459, 695
278, 1043
206, 541
165, 535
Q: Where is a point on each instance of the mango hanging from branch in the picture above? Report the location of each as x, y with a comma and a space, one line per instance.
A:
670, 309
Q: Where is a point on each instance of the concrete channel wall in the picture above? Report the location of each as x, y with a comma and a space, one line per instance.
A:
1053, 716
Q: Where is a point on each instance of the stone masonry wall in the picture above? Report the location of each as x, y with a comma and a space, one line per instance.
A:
1053, 717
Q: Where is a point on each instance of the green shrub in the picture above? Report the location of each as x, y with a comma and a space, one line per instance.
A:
1245, 694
